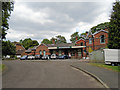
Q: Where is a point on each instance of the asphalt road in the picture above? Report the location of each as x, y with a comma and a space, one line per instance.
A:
45, 74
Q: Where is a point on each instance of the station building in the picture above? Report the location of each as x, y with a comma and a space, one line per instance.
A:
79, 49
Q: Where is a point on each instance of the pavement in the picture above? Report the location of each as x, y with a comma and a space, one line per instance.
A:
46, 74
109, 77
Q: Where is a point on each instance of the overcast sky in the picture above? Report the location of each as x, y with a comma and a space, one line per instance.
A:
40, 20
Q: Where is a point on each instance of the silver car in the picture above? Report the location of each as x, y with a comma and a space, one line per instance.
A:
30, 57
45, 57
53, 56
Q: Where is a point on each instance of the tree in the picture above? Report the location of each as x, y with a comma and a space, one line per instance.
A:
29, 43
74, 37
114, 30
7, 7
8, 48
35, 43
46, 41
99, 27
60, 39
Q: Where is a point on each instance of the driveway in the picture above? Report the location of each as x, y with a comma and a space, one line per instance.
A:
46, 74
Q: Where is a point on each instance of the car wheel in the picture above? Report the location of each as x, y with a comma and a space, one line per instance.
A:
113, 64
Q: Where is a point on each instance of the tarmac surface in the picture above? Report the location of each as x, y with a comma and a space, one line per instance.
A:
46, 74
109, 77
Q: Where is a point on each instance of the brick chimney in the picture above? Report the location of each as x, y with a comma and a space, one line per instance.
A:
53, 41
106, 29
76, 38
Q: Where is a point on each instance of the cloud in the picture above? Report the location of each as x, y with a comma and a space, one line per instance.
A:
28, 14
38, 20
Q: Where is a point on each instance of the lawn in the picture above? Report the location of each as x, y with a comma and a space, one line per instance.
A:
2, 67
109, 67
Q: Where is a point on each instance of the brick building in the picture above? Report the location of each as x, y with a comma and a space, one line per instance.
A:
19, 49
79, 49
94, 41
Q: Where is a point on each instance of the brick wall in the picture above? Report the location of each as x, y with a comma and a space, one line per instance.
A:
19, 47
42, 47
78, 43
96, 44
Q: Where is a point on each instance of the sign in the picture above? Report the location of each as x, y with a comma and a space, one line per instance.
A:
63, 47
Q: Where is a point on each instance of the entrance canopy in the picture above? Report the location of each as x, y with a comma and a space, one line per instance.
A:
66, 47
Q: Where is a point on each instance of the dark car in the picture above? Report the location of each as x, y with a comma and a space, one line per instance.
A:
37, 57
63, 57
24, 57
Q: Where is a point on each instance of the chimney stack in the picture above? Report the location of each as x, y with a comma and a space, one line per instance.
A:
53, 41
106, 29
76, 38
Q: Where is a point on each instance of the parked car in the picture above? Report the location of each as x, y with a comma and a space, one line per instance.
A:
24, 57
63, 57
45, 57
37, 57
30, 57
53, 56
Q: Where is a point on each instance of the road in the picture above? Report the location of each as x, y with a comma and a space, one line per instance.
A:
45, 74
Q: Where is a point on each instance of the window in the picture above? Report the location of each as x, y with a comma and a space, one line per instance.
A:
44, 53
81, 44
60, 53
40, 52
102, 39
90, 40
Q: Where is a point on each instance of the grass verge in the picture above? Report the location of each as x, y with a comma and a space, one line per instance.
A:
2, 67
109, 67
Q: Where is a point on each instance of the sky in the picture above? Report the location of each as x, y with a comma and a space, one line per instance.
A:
40, 20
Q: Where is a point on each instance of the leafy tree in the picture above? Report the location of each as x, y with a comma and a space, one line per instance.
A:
7, 7
46, 41
29, 43
74, 36
35, 43
8, 48
114, 30
99, 27
60, 39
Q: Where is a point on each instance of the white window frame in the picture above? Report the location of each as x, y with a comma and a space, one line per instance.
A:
90, 39
101, 40
44, 52
40, 52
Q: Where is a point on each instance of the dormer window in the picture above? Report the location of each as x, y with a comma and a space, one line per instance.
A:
90, 40
102, 39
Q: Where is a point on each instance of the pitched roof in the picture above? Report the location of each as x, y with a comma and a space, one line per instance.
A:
99, 31
19, 52
90, 33
80, 39
30, 49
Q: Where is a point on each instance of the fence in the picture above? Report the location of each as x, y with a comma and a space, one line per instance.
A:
97, 56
